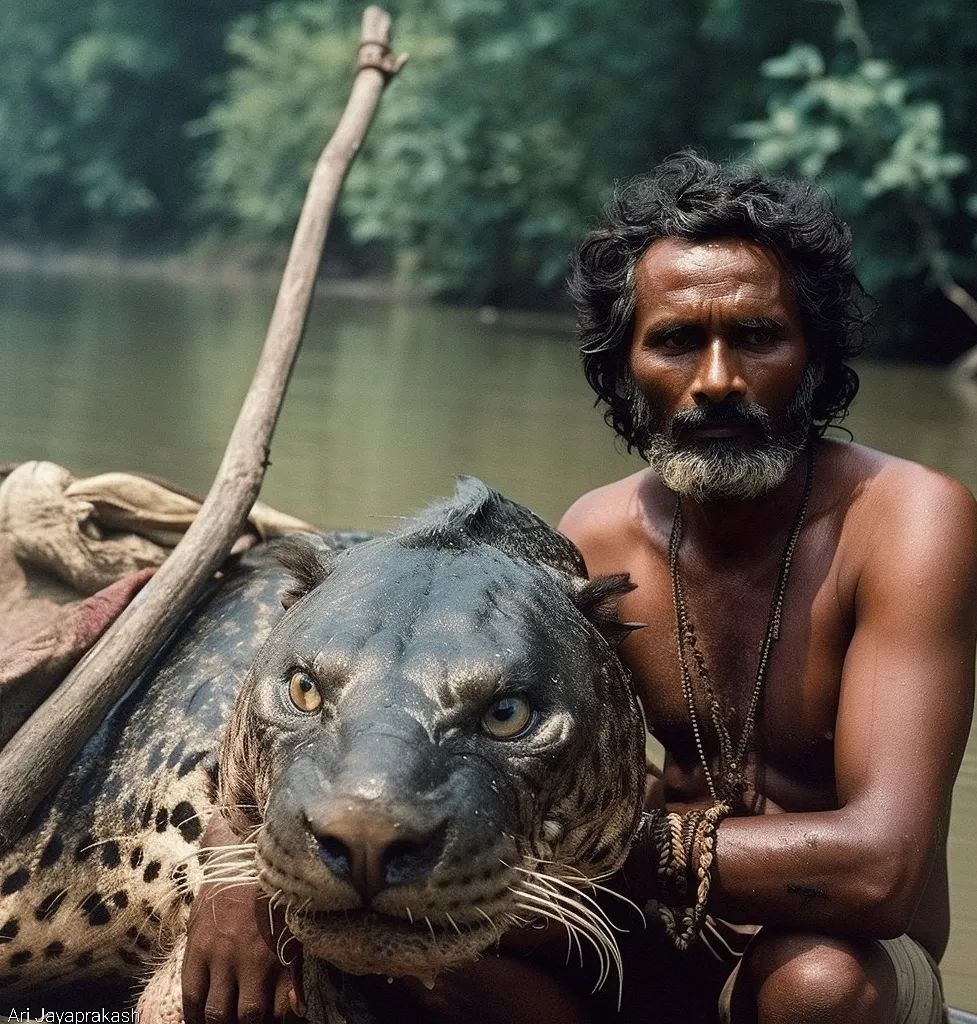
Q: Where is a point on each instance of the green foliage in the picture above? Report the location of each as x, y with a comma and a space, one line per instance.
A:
93, 102
509, 126
280, 101
877, 138
493, 151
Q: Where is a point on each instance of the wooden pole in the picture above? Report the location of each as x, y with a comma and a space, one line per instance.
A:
38, 755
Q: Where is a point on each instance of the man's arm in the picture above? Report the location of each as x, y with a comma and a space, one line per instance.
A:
903, 720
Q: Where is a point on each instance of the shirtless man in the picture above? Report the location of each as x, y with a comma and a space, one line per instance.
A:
716, 311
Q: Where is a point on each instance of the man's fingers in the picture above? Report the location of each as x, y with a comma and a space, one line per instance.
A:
195, 984
296, 998
221, 1006
251, 1012
282, 987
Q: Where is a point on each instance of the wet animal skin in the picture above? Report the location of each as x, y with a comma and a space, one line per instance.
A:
435, 740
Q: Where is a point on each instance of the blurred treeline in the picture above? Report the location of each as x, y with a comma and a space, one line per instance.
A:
182, 124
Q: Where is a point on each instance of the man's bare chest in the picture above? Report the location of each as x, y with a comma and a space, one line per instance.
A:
793, 740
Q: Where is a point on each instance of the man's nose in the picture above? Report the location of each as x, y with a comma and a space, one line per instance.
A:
719, 375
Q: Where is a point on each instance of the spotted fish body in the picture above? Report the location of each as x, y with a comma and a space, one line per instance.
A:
398, 820
100, 882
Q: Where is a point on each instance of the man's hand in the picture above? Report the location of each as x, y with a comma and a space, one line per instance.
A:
231, 970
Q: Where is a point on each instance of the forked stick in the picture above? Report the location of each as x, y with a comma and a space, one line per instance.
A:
38, 755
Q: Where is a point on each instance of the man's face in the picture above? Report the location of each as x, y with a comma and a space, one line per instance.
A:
721, 374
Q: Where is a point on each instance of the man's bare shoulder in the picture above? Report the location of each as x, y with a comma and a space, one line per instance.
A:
902, 516
888, 485
602, 518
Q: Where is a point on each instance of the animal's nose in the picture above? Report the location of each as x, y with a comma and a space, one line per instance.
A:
373, 851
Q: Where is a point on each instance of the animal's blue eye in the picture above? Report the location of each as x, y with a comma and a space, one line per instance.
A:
507, 717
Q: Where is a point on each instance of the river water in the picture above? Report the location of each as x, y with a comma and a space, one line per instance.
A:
387, 403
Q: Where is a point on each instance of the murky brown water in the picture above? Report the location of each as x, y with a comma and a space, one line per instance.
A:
387, 403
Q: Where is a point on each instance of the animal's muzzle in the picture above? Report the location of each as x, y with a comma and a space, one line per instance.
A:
374, 849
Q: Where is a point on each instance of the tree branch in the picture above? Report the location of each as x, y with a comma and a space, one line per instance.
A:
38, 755
939, 265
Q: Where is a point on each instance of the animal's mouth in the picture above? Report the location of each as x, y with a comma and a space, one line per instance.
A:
367, 941
431, 924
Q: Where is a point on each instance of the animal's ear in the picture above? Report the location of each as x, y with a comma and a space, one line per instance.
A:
309, 561
598, 599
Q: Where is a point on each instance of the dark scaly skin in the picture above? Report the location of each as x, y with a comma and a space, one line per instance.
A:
126, 815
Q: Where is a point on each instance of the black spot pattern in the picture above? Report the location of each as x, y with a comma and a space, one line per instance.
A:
130, 958
49, 906
135, 858
120, 899
54, 950
162, 819
15, 881
185, 818
85, 848
21, 958
147, 814
189, 763
95, 908
52, 851
110, 854
10, 930
155, 759
84, 959
152, 871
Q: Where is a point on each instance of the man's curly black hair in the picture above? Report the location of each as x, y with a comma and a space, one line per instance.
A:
689, 197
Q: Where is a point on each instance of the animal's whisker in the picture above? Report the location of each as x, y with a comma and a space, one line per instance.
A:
492, 924
226, 848
584, 918
596, 917
227, 887
282, 946
551, 880
229, 871
611, 892
572, 938
545, 910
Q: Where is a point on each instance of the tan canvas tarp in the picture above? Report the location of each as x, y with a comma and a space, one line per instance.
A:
73, 554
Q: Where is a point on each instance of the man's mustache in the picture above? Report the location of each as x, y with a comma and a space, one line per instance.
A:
721, 414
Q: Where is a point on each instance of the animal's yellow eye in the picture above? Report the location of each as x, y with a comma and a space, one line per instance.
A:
507, 717
304, 692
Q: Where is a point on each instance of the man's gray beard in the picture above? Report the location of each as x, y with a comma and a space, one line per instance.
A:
722, 468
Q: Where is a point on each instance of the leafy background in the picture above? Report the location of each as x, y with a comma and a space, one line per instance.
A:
190, 126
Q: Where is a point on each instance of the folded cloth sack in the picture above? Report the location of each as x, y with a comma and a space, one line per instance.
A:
73, 554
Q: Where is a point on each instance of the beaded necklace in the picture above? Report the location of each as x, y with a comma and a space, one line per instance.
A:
730, 780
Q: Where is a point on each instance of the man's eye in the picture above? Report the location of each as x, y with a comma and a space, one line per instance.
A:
758, 339
758, 335
675, 341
